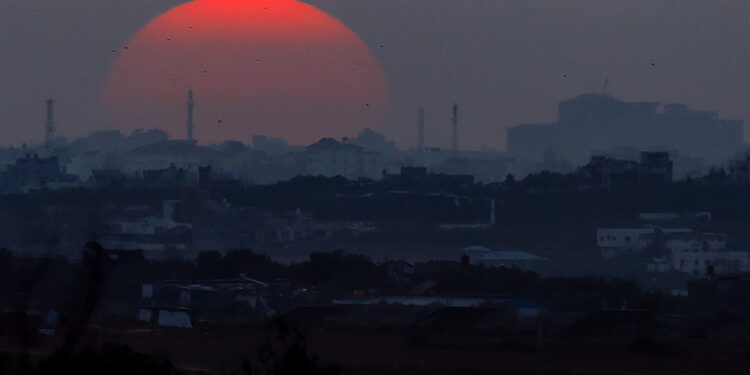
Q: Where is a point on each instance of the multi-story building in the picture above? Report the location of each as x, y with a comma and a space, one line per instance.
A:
701, 261
33, 172
698, 254
596, 122
330, 158
604, 171
675, 249
738, 170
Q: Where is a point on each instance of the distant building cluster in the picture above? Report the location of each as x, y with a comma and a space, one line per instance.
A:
674, 249
33, 172
147, 159
600, 124
418, 176
184, 226
604, 171
622, 142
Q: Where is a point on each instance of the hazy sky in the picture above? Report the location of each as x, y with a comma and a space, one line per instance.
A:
504, 62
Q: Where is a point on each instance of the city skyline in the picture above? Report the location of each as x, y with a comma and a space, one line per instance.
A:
352, 187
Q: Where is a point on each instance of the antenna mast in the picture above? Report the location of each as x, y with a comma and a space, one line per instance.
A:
420, 129
50, 129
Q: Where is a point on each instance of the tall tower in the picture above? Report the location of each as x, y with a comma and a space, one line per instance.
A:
420, 129
190, 125
50, 128
454, 143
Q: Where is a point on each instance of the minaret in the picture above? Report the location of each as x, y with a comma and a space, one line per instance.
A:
50, 128
454, 144
190, 125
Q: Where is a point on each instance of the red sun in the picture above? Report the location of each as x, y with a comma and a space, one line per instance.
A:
272, 67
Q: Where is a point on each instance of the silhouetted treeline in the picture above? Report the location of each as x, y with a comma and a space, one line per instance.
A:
58, 283
542, 196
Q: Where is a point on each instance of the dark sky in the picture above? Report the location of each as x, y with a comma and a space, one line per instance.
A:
504, 62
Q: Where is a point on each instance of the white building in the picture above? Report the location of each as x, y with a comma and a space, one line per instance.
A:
330, 158
698, 254
618, 241
694, 242
673, 216
700, 263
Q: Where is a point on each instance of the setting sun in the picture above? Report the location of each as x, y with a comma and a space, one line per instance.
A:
274, 67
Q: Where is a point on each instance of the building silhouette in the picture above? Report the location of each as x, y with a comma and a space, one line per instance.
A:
329, 157
593, 123
33, 172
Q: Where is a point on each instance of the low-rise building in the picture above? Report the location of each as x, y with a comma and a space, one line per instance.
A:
695, 242
175, 317
656, 217
223, 227
701, 262
699, 254
203, 296
622, 241
482, 256
156, 237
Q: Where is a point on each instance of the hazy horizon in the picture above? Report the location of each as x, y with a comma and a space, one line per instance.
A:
503, 62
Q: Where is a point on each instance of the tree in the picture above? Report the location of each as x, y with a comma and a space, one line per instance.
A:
112, 359
209, 264
6, 262
349, 270
251, 264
